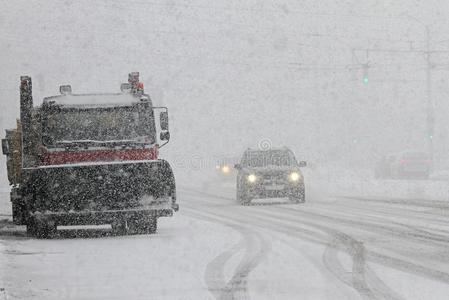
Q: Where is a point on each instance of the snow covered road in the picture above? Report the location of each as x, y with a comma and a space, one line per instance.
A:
327, 248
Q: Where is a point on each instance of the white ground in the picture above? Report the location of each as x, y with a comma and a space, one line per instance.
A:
328, 248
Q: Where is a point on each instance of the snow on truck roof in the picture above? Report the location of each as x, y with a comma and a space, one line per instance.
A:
96, 100
284, 148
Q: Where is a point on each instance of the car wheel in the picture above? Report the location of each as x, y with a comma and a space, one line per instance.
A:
142, 226
242, 197
298, 197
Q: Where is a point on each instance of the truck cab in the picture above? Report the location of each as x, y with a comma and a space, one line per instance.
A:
90, 159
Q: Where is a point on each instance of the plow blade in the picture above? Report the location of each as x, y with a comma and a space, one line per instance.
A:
99, 192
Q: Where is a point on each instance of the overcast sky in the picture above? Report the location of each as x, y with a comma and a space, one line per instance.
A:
233, 73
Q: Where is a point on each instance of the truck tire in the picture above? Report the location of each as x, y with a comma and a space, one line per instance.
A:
41, 228
19, 209
31, 228
151, 226
119, 227
245, 201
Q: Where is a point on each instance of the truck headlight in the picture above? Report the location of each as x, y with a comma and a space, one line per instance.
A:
252, 178
294, 176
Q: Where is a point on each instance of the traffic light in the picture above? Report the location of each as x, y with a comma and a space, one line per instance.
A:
365, 73
430, 134
365, 79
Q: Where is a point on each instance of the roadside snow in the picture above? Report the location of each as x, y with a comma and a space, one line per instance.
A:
293, 270
337, 181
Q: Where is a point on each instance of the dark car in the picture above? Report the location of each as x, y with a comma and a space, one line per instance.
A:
273, 173
406, 164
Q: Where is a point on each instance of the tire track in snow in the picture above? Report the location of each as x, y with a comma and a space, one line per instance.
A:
216, 266
374, 209
362, 279
393, 230
282, 228
376, 225
388, 261
255, 248
399, 234
396, 230
384, 215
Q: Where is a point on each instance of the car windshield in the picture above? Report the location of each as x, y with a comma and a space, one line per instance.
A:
96, 124
268, 158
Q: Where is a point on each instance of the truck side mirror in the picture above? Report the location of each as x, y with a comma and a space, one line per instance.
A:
164, 136
302, 164
163, 118
5, 147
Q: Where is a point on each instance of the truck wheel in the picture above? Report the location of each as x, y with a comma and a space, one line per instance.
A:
245, 202
41, 228
31, 227
119, 227
151, 226
19, 211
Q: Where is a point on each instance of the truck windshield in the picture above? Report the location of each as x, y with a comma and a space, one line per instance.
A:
268, 158
66, 125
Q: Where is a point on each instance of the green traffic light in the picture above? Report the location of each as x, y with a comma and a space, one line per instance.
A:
365, 80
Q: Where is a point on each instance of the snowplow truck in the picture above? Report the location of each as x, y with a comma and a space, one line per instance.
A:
89, 159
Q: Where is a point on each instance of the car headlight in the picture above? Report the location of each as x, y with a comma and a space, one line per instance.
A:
225, 169
294, 176
252, 178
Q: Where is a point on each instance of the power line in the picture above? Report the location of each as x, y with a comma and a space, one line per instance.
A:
248, 9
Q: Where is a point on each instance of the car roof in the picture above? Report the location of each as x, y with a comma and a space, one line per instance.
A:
283, 149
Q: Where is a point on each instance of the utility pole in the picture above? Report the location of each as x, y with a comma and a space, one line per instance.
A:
430, 111
430, 108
